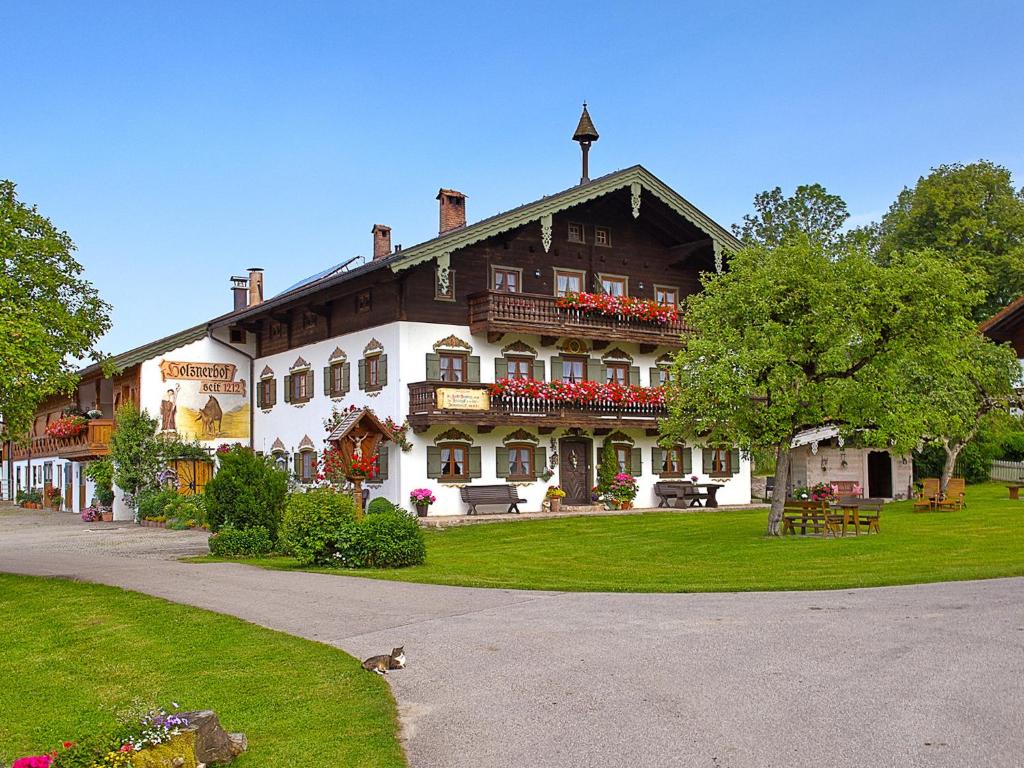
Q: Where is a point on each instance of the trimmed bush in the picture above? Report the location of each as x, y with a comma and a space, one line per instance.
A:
320, 529
379, 504
248, 491
152, 503
311, 522
235, 542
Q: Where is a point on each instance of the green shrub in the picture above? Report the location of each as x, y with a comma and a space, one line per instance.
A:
392, 539
247, 491
185, 507
154, 503
244, 542
312, 520
379, 504
101, 472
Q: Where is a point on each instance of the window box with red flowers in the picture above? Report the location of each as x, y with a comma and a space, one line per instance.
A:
590, 395
620, 306
67, 426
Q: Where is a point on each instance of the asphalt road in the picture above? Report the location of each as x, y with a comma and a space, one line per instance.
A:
929, 675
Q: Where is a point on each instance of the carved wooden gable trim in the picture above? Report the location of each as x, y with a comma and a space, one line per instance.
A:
453, 342
267, 372
519, 348
373, 347
299, 365
453, 436
520, 436
337, 356
617, 354
306, 444
621, 438
278, 446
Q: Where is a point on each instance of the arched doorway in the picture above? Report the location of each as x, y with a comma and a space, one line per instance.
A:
880, 474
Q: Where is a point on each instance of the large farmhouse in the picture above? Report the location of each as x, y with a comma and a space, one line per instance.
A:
509, 346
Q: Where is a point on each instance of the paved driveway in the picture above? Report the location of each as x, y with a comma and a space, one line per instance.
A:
928, 675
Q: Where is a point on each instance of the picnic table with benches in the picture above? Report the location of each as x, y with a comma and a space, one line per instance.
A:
492, 494
690, 493
821, 517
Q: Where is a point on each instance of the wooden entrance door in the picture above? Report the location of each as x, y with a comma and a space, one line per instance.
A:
69, 487
574, 470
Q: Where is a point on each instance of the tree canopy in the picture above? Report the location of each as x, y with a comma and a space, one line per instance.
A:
802, 333
973, 216
50, 315
811, 210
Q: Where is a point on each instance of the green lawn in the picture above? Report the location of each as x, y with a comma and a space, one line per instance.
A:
74, 652
720, 551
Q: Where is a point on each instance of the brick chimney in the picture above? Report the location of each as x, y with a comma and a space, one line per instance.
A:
452, 210
239, 292
255, 286
381, 241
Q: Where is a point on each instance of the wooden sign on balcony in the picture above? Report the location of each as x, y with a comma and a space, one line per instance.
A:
450, 399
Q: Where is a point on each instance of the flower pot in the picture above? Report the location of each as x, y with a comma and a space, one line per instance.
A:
421, 510
556, 504
107, 516
625, 505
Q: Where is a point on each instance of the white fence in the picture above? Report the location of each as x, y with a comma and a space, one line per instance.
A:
1007, 470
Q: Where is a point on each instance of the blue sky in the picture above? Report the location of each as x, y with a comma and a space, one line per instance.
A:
179, 143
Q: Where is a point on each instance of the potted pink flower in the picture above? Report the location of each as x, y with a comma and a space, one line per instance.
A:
422, 498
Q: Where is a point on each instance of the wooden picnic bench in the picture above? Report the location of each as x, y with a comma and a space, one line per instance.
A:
1015, 490
953, 499
861, 511
810, 514
492, 494
668, 492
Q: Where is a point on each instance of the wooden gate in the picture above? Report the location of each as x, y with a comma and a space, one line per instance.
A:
193, 475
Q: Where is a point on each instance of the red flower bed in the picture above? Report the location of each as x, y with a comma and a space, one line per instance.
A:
580, 392
66, 426
620, 306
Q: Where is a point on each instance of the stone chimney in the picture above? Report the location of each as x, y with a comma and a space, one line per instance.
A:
240, 292
452, 210
381, 241
255, 286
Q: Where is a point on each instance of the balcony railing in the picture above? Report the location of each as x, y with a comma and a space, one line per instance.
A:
91, 443
439, 402
497, 313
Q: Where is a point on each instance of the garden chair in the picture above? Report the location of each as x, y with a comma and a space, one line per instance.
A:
953, 499
929, 494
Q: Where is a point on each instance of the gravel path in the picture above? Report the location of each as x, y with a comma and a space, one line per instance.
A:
929, 675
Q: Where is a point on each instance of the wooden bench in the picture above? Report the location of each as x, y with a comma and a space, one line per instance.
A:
492, 494
953, 499
809, 514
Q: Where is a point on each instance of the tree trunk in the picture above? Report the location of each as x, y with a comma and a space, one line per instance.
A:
781, 485
952, 451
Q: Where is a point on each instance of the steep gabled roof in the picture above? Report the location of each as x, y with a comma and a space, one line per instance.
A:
1008, 317
152, 349
636, 178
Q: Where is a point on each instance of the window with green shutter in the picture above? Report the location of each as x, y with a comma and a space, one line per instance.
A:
288, 389
635, 462
674, 461
721, 462
382, 463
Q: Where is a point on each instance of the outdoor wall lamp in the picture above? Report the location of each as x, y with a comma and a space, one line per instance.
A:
536, 273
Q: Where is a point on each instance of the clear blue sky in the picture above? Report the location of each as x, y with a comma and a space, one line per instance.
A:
181, 142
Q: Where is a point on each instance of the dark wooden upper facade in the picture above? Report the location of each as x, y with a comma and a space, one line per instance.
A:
657, 249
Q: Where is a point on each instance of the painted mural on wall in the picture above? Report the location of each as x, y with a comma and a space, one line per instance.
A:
205, 401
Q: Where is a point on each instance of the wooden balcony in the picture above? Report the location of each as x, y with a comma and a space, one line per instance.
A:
440, 403
497, 313
92, 443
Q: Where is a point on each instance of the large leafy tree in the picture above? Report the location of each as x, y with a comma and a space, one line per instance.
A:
49, 315
811, 210
804, 334
973, 216
965, 380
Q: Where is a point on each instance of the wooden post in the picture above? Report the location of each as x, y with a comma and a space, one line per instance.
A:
358, 485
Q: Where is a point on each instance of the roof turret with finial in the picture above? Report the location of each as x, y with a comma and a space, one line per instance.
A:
585, 134
585, 131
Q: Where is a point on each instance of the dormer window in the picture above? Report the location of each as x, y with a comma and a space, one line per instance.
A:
576, 232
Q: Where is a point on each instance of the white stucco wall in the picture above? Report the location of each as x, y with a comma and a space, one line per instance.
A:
406, 345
